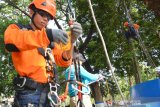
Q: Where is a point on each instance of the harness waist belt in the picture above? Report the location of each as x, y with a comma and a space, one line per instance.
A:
24, 82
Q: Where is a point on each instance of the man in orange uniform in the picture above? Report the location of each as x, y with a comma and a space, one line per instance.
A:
26, 41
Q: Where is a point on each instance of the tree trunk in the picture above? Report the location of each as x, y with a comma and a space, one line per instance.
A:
153, 5
135, 67
97, 94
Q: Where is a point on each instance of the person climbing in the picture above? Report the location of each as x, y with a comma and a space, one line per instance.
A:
85, 77
131, 32
30, 46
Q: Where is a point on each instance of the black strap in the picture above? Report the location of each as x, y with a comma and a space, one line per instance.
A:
24, 26
58, 25
24, 82
80, 103
42, 52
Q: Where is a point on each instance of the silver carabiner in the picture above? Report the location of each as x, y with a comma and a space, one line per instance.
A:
101, 78
48, 52
24, 81
53, 92
85, 93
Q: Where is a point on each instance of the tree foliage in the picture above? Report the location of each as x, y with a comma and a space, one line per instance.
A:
110, 16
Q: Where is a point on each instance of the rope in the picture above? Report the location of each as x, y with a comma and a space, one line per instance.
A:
106, 53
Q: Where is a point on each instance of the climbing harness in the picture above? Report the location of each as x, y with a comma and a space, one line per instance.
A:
106, 53
50, 66
143, 47
51, 62
22, 82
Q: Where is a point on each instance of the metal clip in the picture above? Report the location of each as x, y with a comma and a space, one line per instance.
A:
53, 92
24, 81
48, 52
83, 85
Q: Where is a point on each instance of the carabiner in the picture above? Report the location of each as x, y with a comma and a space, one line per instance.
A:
48, 52
83, 85
101, 78
58, 100
53, 92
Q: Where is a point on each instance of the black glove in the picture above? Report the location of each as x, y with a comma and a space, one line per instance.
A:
76, 31
57, 35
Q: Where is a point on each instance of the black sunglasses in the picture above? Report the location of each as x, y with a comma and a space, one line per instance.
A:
44, 14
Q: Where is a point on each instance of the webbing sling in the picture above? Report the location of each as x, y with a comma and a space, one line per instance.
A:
54, 71
78, 77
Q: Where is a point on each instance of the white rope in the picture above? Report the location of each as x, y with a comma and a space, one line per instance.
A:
106, 53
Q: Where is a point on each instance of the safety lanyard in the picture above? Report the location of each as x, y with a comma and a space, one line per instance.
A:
52, 81
78, 77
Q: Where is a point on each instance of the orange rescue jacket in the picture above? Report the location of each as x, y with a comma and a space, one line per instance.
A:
27, 60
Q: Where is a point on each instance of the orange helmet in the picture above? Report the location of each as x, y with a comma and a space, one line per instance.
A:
46, 5
126, 24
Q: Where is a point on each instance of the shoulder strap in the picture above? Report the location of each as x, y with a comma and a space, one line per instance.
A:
41, 51
24, 26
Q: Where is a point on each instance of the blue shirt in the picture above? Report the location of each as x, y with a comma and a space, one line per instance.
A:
86, 78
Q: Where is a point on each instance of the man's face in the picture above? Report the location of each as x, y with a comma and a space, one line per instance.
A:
41, 19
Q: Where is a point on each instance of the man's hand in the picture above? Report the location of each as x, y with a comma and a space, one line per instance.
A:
57, 35
76, 31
